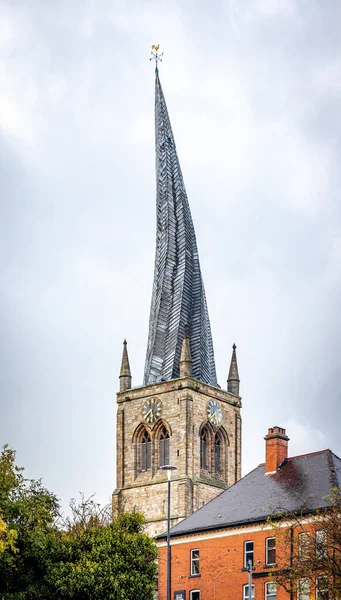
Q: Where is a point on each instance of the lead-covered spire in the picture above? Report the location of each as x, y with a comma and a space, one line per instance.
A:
178, 296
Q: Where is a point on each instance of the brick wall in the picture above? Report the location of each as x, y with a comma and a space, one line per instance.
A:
222, 573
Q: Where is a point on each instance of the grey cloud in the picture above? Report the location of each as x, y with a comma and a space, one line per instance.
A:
252, 90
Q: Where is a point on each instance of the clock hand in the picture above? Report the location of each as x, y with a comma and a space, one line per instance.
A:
150, 412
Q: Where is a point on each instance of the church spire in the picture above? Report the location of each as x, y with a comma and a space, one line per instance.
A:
125, 374
233, 377
178, 296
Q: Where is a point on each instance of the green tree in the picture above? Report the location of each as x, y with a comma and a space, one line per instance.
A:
308, 549
103, 559
29, 512
86, 555
7, 538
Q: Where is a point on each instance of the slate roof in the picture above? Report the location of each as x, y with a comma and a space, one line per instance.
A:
301, 481
178, 298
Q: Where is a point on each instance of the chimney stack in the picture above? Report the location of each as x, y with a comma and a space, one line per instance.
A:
276, 448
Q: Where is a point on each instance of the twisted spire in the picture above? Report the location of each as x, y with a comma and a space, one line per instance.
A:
178, 296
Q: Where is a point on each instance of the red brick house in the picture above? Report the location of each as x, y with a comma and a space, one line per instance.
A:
211, 549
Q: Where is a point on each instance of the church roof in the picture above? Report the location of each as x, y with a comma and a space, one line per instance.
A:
301, 483
178, 297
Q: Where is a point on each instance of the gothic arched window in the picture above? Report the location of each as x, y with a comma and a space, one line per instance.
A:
164, 447
204, 450
146, 452
217, 457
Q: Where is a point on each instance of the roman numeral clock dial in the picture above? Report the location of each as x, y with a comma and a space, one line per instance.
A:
152, 410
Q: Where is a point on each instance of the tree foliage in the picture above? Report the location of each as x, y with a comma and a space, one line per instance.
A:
7, 537
29, 511
104, 559
308, 549
86, 555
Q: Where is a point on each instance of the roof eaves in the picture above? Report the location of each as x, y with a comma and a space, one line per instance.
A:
212, 527
256, 521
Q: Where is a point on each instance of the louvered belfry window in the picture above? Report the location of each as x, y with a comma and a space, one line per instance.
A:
217, 449
203, 451
146, 452
164, 447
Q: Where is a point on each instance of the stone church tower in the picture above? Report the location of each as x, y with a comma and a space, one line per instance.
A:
180, 416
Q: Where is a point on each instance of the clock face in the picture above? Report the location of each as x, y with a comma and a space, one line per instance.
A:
152, 410
214, 413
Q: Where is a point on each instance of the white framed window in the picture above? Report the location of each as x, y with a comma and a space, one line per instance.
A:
248, 554
270, 551
321, 543
194, 595
246, 595
322, 588
303, 589
303, 545
270, 591
195, 562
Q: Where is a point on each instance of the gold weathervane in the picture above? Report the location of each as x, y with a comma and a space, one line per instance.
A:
155, 56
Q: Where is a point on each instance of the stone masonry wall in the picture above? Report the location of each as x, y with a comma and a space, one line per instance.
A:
184, 410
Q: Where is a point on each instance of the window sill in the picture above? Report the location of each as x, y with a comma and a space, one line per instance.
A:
246, 569
270, 565
197, 575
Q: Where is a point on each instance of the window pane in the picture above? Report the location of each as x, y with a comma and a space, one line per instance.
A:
248, 553
144, 455
195, 562
217, 456
167, 451
203, 452
246, 592
270, 591
162, 452
195, 567
303, 546
195, 595
271, 551
149, 454
321, 543
322, 588
303, 589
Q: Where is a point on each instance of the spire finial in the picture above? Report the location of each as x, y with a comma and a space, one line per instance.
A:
155, 56
233, 378
125, 374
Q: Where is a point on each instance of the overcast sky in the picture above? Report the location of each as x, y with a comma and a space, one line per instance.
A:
253, 89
